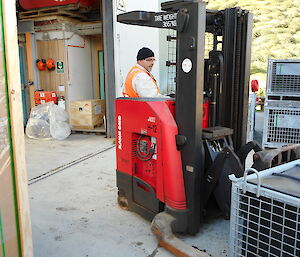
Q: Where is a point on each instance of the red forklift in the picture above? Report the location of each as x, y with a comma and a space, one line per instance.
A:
172, 167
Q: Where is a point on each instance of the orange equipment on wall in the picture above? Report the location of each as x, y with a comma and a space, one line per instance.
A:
41, 64
50, 64
42, 97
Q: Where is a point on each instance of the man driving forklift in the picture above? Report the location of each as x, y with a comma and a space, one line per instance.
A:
139, 81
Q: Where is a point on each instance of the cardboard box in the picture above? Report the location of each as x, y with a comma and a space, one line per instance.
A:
87, 114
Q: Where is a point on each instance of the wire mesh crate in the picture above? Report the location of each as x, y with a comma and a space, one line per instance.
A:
265, 213
283, 78
281, 123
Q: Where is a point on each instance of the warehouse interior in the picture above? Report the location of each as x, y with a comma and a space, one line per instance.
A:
65, 54
62, 59
66, 209
72, 187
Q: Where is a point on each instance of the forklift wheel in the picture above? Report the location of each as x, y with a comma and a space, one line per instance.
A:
123, 202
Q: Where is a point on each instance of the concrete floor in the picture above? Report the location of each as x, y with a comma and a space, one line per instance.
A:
74, 210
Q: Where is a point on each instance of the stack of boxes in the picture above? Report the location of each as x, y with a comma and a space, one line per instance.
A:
282, 105
42, 97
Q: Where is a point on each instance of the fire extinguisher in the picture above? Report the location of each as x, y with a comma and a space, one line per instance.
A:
50, 64
41, 64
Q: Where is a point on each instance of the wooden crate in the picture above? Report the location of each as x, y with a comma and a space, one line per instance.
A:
15, 223
87, 114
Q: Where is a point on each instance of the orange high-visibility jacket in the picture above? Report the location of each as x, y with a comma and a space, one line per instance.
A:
128, 89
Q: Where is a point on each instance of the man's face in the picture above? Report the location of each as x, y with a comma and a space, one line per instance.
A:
147, 63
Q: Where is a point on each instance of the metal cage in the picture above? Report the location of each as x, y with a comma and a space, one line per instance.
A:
283, 77
281, 123
265, 213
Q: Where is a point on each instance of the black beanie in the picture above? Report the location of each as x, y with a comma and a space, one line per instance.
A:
144, 53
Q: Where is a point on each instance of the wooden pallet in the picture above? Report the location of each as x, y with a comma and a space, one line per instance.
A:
97, 130
70, 11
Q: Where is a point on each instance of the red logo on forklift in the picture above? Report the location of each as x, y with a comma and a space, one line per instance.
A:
119, 132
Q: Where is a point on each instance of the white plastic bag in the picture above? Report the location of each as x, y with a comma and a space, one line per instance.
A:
38, 129
59, 126
48, 121
38, 126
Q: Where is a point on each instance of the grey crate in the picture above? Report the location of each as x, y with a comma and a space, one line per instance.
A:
283, 77
281, 123
265, 213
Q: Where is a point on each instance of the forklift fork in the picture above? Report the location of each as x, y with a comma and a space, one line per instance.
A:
270, 158
216, 179
161, 227
223, 162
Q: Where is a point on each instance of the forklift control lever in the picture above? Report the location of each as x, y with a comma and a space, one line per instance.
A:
180, 141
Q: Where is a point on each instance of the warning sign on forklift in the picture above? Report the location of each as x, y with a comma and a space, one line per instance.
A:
60, 67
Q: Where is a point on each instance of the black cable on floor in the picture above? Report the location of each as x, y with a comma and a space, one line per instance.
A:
65, 166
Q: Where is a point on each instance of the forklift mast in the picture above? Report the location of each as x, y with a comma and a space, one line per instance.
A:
223, 77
